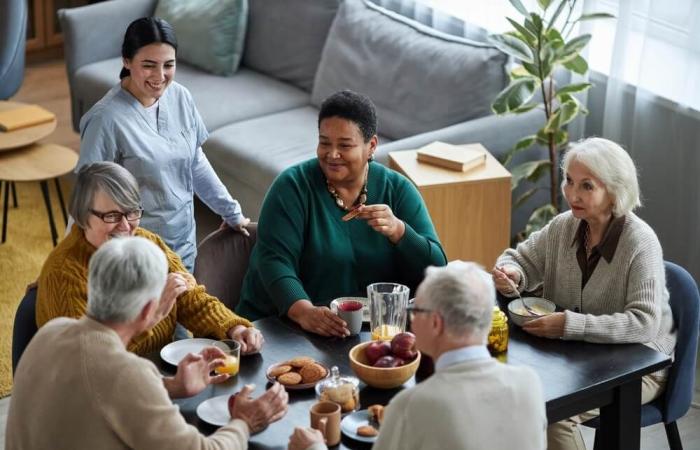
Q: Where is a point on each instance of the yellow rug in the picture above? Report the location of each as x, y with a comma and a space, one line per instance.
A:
21, 257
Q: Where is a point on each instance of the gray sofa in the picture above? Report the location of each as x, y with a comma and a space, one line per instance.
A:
428, 85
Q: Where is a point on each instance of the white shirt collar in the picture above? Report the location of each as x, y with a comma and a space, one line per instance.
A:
463, 354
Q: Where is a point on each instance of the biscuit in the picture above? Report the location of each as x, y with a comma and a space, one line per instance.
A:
312, 373
279, 370
289, 378
367, 431
300, 361
348, 406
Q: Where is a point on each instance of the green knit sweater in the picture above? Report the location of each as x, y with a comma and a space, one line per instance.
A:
305, 251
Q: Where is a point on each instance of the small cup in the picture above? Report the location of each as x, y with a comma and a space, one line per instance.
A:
232, 361
325, 417
351, 312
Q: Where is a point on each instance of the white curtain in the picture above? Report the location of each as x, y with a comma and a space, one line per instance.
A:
647, 61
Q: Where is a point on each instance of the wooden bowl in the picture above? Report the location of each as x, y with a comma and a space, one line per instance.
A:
380, 377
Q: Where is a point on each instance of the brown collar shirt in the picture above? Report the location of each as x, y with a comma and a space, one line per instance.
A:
605, 248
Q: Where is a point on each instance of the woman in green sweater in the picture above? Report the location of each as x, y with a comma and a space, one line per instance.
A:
308, 252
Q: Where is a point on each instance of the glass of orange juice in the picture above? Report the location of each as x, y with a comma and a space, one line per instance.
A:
387, 304
232, 361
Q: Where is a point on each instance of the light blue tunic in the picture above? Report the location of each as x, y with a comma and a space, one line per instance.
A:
165, 157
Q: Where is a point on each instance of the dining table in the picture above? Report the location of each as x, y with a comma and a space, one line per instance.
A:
576, 377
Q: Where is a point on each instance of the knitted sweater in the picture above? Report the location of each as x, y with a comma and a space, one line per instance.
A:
624, 301
62, 291
305, 251
76, 387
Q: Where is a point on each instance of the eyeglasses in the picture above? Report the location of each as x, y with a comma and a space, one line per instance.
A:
413, 310
117, 216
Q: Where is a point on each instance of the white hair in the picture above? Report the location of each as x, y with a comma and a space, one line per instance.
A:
612, 165
464, 295
124, 275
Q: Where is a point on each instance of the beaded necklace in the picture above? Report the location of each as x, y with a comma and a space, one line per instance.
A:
360, 200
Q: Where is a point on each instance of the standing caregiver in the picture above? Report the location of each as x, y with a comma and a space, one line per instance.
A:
149, 124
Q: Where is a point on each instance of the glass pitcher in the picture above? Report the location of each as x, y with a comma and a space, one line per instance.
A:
387, 304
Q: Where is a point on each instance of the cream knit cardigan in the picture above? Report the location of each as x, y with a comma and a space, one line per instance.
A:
624, 301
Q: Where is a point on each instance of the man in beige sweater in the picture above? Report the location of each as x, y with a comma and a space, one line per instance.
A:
472, 401
77, 387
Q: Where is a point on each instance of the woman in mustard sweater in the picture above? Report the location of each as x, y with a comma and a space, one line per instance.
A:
106, 204
308, 252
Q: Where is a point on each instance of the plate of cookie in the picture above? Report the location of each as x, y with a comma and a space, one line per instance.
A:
362, 425
301, 372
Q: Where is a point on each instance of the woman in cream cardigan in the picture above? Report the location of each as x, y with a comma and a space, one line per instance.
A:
600, 263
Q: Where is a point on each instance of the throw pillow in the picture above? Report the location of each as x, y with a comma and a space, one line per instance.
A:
420, 79
210, 33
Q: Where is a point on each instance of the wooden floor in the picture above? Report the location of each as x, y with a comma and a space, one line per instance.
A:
46, 84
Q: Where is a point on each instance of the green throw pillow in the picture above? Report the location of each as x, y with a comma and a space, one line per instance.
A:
210, 33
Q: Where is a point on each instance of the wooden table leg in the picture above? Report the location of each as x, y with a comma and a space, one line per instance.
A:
47, 201
620, 421
4, 211
60, 200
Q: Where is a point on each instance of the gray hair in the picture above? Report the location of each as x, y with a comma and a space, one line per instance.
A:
464, 295
124, 275
112, 179
612, 165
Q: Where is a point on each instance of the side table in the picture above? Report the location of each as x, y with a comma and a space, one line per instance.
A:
37, 162
470, 210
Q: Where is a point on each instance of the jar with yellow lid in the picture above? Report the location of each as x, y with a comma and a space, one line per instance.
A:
498, 336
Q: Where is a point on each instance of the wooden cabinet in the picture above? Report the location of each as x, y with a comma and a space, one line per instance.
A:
43, 29
470, 210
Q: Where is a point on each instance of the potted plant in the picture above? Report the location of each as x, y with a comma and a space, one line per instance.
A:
541, 43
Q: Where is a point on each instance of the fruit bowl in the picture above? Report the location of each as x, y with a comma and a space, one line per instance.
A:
380, 377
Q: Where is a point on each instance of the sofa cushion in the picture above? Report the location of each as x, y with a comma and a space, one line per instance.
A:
210, 33
420, 79
255, 151
285, 38
220, 100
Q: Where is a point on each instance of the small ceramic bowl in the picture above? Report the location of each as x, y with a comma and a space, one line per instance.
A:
519, 315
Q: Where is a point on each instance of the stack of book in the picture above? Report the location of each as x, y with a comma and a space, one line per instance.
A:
453, 157
24, 116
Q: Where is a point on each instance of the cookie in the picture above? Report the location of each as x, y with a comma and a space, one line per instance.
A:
279, 370
289, 378
376, 415
367, 431
312, 372
300, 361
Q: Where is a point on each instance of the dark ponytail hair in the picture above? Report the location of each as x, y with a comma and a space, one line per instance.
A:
143, 32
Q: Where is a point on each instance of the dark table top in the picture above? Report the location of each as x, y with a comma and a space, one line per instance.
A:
571, 372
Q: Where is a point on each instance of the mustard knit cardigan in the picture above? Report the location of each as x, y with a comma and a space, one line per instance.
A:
62, 291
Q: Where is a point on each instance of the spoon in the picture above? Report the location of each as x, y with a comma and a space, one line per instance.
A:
522, 299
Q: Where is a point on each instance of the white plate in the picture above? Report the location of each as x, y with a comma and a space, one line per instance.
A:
215, 411
363, 300
175, 351
350, 423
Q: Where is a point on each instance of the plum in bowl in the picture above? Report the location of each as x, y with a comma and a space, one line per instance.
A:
381, 377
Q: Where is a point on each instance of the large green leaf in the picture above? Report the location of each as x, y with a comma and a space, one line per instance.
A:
512, 46
595, 16
526, 108
552, 125
567, 112
531, 26
531, 170
539, 218
576, 87
522, 145
546, 55
574, 46
519, 6
554, 38
537, 23
519, 72
525, 196
578, 65
544, 4
560, 137
518, 93
527, 35
532, 69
